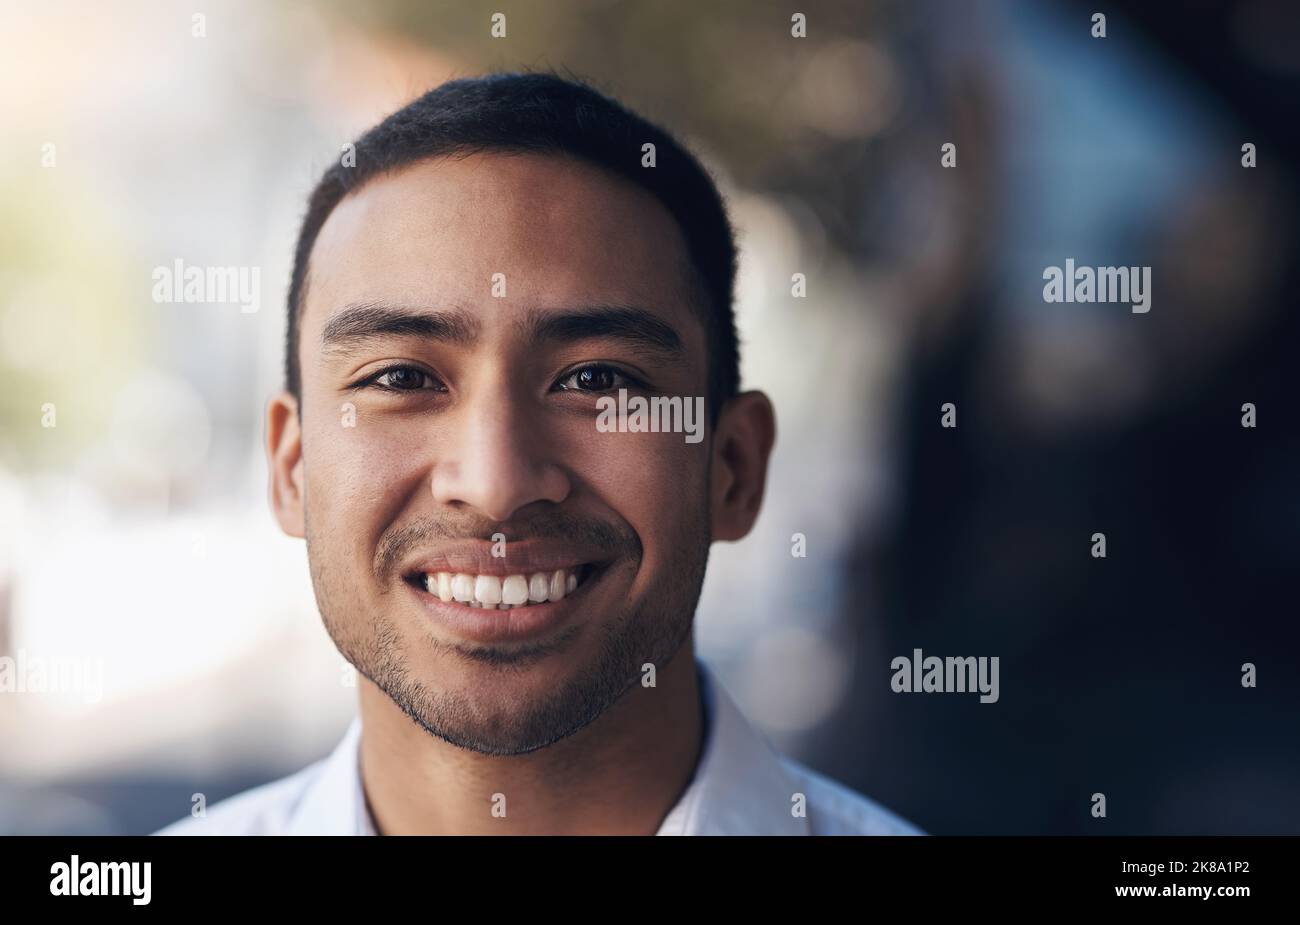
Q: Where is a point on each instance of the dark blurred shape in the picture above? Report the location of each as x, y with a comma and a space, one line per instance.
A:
1119, 675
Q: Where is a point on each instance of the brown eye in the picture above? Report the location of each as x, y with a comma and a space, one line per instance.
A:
594, 379
402, 379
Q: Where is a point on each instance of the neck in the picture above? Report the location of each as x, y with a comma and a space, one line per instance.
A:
619, 775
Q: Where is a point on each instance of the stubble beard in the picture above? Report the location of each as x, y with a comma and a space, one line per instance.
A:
651, 631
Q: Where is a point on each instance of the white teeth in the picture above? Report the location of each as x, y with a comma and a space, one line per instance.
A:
487, 589
491, 592
514, 590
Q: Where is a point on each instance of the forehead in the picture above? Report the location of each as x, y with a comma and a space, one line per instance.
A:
561, 232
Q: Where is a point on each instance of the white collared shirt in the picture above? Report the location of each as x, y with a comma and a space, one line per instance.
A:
741, 786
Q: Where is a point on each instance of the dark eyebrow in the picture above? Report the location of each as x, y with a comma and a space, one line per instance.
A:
362, 321
635, 325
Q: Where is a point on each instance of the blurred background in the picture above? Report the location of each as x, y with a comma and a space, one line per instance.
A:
169, 630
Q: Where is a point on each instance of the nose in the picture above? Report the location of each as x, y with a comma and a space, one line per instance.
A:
492, 459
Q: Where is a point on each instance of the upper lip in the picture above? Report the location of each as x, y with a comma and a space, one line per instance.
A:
522, 557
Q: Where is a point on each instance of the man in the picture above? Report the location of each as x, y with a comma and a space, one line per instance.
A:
514, 578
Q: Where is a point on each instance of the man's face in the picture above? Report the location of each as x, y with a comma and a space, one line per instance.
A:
472, 311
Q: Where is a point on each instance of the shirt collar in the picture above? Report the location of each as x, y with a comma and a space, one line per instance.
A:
334, 803
739, 787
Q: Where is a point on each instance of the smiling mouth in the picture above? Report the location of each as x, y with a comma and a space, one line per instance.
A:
502, 592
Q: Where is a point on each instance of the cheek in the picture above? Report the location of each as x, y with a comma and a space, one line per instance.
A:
358, 475
658, 484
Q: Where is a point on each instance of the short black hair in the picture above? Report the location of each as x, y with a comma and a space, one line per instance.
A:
548, 114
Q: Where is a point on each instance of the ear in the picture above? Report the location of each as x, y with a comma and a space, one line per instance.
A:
742, 443
284, 455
